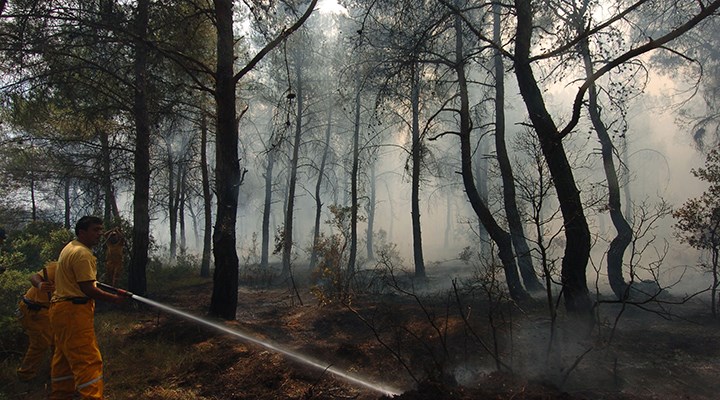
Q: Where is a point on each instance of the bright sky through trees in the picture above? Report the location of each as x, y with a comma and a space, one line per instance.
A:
331, 7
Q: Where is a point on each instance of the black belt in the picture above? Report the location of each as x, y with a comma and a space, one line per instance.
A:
32, 306
74, 300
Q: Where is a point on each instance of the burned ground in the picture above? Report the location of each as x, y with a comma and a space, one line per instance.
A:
420, 348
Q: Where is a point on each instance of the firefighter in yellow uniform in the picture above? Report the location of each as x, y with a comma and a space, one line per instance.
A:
114, 255
77, 363
34, 319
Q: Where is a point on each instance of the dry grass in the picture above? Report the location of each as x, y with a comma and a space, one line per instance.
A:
153, 355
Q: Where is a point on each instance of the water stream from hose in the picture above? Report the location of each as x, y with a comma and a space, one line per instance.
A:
385, 390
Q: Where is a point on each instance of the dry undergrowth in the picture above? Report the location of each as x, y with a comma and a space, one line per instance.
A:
152, 355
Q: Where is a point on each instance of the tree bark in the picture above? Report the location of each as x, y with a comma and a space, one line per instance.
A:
228, 177
267, 209
32, 195
181, 206
172, 200
481, 181
207, 198
224, 300
294, 161
318, 187
354, 182
106, 160
416, 163
522, 250
137, 280
624, 233
371, 206
497, 234
577, 233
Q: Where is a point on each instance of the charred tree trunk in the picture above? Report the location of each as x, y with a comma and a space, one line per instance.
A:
227, 171
417, 156
182, 189
715, 259
371, 214
354, 184
318, 187
137, 280
172, 201
110, 206
228, 176
577, 233
33, 204
624, 233
207, 198
522, 250
497, 234
481, 181
292, 183
267, 206
625, 162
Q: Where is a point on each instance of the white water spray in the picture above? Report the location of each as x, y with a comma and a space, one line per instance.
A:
385, 390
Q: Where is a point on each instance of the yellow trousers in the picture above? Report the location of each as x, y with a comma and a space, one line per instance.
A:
76, 363
36, 325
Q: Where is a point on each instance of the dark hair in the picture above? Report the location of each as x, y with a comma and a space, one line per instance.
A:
84, 223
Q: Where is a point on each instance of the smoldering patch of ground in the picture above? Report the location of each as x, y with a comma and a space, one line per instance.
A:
428, 344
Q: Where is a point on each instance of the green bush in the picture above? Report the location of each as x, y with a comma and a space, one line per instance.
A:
33, 246
13, 283
162, 276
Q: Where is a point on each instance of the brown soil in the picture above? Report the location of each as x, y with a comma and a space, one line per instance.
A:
403, 344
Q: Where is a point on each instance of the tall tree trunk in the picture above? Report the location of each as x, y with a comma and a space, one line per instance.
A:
624, 233
371, 206
32, 195
292, 183
481, 181
172, 200
522, 250
267, 209
625, 157
181, 207
207, 198
318, 187
497, 234
106, 160
137, 280
417, 155
224, 299
577, 233
715, 258
66, 194
229, 177
194, 218
354, 182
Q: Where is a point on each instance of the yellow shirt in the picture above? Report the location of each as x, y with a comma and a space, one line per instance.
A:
36, 296
76, 263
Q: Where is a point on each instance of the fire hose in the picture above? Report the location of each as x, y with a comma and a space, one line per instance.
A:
390, 392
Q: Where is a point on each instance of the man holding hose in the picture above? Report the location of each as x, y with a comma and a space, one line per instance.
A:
77, 363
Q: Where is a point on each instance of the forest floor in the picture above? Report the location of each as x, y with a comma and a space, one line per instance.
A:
395, 344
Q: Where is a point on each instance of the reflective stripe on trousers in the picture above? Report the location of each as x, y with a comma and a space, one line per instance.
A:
76, 352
